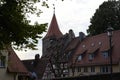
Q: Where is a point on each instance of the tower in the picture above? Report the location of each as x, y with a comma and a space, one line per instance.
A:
53, 33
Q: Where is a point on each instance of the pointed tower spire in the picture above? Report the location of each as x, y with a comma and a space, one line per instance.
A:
53, 28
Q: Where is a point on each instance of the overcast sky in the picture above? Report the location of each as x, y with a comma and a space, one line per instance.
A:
70, 14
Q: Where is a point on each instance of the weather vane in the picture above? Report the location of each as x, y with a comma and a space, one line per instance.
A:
54, 8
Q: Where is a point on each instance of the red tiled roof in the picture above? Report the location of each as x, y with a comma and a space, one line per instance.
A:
14, 63
53, 29
100, 43
39, 69
73, 44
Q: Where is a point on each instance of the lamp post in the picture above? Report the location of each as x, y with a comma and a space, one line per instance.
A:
110, 33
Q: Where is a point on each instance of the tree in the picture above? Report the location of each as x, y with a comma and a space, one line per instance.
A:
108, 14
15, 29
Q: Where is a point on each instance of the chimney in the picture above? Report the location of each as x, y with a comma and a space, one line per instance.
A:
81, 36
37, 56
36, 60
71, 34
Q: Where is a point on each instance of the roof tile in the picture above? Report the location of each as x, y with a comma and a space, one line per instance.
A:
14, 63
53, 29
101, 43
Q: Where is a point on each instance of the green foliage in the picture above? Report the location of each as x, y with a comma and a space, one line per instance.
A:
108, 14
15, 29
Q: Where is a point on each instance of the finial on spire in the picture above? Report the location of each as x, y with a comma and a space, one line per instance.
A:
54, 8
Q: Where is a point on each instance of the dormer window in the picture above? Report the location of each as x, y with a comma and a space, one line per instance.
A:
91, 56
79, 58
2, 61
105, 54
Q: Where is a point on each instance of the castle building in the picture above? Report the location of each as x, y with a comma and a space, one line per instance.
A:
67, 55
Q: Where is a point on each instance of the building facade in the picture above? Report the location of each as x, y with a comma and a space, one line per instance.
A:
69, 56
54, 44
92, 55
11, 68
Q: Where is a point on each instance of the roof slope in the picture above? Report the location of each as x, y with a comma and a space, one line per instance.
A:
38, 69
14, 63
98, 43
73, 44
53, 29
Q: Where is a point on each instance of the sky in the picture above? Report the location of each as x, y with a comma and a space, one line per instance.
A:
70, 14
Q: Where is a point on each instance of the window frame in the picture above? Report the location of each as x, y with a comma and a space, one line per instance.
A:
104, 69
2, 61
80, 57
85, 69
105, 54
92, 69
91, 56
79, 69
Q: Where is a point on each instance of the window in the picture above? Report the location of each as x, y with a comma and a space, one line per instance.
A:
91, 56
69, 54
79, 69
52, 40
65, 71
61, 65
105, 54
2, 61
54, 66
92, 69
85, 69
79, 58
65, 65
104, 69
